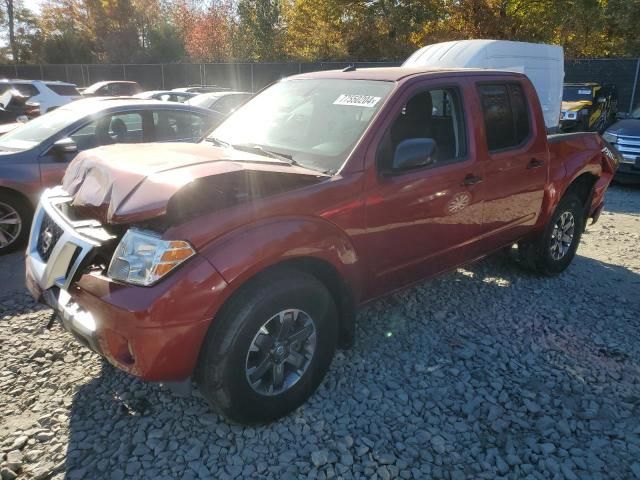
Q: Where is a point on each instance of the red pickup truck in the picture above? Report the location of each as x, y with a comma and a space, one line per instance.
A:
240, 261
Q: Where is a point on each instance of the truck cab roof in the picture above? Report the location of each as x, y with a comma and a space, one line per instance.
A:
396, 74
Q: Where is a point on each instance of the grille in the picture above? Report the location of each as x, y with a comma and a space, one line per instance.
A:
629, 147
48, 236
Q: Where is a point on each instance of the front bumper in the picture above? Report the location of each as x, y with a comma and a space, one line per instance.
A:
628, 172
154, 333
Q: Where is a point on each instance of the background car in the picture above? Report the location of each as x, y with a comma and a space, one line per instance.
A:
35, 155
166, 95
112, 88
48, 95
201, 89
222, 102
15, 107
625, 136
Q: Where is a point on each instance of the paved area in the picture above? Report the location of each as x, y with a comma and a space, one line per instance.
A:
486, 372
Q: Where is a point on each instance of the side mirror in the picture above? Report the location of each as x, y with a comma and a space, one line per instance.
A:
413, 153
63, 147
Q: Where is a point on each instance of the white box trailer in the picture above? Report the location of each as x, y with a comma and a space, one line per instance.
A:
542, 63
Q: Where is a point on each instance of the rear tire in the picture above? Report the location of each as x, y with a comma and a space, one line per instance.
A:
552, 252
15, 222
269, 348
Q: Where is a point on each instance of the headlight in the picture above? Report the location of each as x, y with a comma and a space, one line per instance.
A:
610, 137
143, 258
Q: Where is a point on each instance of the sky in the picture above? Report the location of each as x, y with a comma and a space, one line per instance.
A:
33, 5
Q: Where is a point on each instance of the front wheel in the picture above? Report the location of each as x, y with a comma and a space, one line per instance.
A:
15, 222
270, 347
553, 251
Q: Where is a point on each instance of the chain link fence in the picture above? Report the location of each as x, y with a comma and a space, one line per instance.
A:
621, 72
238, 76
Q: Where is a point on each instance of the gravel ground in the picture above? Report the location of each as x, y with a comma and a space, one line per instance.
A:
485, 372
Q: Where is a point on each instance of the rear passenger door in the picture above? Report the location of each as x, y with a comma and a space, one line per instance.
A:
516, 159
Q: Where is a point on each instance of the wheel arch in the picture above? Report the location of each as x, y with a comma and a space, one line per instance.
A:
313, 246
18, 194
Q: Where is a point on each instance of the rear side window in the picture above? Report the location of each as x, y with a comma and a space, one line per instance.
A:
179, 126
25, 89
64, 90
506, 116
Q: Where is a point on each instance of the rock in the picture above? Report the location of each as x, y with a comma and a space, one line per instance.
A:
547, 448
193, 453
8, 474
438, 444
14, 460
43, 471
320, 458
19, 442
385, 458
501, 465
532, 406
44, 436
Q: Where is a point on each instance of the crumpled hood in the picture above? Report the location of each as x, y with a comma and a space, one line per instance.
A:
575, 106
126, 183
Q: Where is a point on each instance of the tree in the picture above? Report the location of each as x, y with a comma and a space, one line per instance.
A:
206, 31
258, 35
315, 29
9, 8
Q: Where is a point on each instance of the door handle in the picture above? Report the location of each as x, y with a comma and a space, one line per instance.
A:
472, 180
535, 163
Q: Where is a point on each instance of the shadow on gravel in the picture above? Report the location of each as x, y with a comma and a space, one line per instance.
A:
482, 372
623, 198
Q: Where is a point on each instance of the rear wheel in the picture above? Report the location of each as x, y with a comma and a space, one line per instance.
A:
270, 347
553, 251
15, 222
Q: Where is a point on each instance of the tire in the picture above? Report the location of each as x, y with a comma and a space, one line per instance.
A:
227, 368
13, 209
548, 254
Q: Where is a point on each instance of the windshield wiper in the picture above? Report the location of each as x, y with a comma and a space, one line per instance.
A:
255, 148
217, 141
260, 150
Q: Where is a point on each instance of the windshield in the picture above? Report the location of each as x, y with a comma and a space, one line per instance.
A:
575, 94
39, 129
202, 100
316, 122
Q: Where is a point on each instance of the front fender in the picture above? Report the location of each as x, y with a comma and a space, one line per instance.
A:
244, 252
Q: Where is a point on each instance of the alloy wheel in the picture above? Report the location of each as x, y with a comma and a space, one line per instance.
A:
562, 235
10, 225
281, 352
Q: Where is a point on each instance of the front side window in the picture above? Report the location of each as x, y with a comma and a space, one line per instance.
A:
315, 121
39, 129
506, 117
434, 114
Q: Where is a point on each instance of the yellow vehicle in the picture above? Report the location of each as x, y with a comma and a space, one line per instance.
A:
587, 106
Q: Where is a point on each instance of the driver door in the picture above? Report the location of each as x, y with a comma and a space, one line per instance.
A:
426, 219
